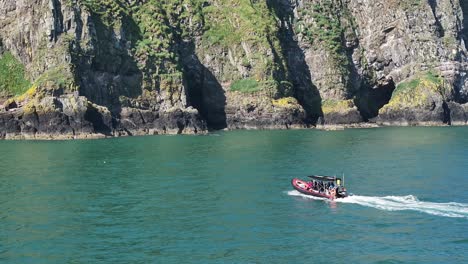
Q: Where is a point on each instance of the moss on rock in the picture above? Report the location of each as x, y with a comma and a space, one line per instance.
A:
286, 102
12, 75
417, 92
337, 106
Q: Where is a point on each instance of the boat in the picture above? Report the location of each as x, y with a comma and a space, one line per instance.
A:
329, 187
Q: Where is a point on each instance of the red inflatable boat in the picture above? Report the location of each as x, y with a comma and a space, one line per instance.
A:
321, 186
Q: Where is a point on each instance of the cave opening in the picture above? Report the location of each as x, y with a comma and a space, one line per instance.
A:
372, 98
204, 91
206, 94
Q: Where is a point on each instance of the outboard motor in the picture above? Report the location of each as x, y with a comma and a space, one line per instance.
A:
342, 193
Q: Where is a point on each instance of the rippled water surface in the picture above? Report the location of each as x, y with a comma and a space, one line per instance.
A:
226, 198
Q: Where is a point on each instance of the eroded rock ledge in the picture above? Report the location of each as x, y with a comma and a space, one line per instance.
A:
74, 117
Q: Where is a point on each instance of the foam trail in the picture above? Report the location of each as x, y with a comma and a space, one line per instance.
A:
402, 203
296, 193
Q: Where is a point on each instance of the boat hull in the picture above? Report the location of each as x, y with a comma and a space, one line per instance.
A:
302, 187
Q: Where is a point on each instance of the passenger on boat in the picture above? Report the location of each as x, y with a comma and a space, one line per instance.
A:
333, 193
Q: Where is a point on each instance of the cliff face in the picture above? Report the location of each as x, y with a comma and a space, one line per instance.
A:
94, 68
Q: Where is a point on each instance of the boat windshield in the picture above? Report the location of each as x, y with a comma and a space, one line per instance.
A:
325, 178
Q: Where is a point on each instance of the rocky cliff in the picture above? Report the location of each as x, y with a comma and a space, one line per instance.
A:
71, 68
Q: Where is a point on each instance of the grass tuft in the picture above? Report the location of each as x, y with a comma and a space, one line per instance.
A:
12, 75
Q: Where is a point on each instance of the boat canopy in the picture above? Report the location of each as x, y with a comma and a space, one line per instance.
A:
324, 178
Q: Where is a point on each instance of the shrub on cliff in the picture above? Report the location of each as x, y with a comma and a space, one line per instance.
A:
12, 76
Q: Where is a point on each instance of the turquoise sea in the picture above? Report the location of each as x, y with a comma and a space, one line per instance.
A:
226, 198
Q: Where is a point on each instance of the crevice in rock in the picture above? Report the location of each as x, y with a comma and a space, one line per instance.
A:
280, 73
464, 32
439, 28
356, 80
79, 24
447, 119
203, 90
304, 91
142, 118
180, 127
58, 20
128, 132
371, 99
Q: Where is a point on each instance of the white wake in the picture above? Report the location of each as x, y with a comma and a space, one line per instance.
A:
401, 203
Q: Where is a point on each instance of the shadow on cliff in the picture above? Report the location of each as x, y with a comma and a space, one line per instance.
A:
107, 71
439, 28
58, 20
464, 32
204, 92
305, 91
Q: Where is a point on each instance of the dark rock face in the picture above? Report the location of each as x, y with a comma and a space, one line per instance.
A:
427, 108
412, 117
76, 117
350, 117
281, 119
174, 121
258, 112
437, 113
458, 113
34, 122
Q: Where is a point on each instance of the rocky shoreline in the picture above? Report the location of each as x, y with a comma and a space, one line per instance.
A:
67, 137
160, 129
71, 116
74, 117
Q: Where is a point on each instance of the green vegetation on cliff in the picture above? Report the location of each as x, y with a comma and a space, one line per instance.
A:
152, 27
248, 32
245, 85
58, 77
111, 11
286, 102
12, 75
322, 25
160, 29
417, 91
427, 79
237, 21
336, 106
329, 29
